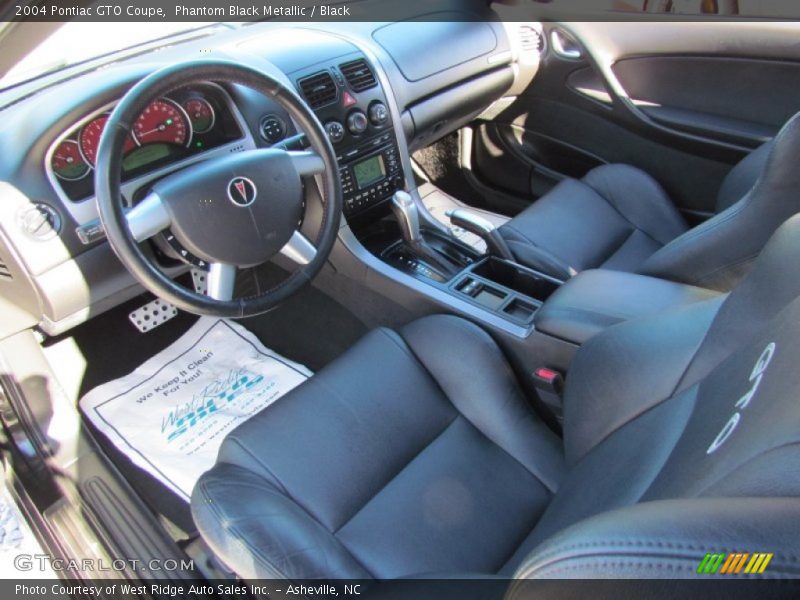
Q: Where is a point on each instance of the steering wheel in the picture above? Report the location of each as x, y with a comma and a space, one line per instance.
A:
232, 212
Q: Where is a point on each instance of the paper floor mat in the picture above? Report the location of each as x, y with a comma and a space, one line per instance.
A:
171, 414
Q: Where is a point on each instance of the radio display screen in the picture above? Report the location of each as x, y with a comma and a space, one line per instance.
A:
369, 171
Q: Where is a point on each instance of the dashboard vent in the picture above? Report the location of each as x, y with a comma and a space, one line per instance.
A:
358, 75
4, 272
318, 89
531, 39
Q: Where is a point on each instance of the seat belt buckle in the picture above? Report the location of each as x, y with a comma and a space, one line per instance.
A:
549, 385
548, 380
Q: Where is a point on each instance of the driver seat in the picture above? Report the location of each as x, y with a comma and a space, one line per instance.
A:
417, 452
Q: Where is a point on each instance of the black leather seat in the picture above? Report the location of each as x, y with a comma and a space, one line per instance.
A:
417, 452
618, 217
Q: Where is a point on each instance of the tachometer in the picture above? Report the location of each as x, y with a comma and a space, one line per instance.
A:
67, 161
201, 114
89, 139
163, 121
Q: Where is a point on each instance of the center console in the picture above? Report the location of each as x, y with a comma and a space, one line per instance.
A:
349, 100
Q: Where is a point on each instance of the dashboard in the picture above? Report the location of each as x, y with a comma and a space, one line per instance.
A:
380, 91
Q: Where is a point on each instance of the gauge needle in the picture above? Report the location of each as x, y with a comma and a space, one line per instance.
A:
159, 127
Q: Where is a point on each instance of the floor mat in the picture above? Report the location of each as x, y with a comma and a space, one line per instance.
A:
171, 414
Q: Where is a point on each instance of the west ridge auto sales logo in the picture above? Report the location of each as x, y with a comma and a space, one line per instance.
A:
210, 399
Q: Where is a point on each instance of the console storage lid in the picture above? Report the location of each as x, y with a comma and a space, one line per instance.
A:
597, 299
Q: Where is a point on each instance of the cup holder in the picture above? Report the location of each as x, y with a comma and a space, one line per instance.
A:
517, 278
507, 288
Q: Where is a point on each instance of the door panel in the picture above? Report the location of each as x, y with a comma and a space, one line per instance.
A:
683, 101
751, 94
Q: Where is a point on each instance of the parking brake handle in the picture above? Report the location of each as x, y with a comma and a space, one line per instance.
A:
484, 229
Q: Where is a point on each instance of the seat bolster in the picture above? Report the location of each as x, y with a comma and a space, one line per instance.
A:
264, 534
741, 179
639, 199
719, 252
604, 389
476, 378
648, 540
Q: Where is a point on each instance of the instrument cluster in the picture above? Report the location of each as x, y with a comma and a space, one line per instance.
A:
171, 128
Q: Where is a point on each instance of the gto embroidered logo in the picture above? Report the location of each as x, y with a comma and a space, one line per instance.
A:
755, 380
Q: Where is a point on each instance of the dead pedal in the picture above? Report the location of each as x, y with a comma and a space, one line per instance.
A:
152, 314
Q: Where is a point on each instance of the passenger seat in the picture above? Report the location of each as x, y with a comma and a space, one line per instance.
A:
618, 217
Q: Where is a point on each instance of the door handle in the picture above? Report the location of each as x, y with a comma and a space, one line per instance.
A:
564, 46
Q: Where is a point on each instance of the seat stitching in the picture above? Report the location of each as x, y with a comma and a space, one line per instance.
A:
396, 475
552, 555
616, 209
620, 246
254, 550
708, 227
234, 440
540, 479
708, 275
283, 488
239, 534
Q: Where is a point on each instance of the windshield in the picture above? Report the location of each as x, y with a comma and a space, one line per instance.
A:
76, 42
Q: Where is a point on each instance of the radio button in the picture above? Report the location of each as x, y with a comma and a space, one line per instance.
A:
378, 114
357, 122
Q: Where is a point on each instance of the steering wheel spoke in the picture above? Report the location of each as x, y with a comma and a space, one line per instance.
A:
221, 281
299, 249
307, 162
148, 218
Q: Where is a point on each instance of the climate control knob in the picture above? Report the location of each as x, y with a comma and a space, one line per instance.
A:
357, 122
335, 131
378, 114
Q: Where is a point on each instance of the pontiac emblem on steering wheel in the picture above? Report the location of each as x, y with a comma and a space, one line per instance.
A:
242, 191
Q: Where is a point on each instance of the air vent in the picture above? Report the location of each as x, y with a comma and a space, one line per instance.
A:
4, 272
318, 89
358, 75
531, 39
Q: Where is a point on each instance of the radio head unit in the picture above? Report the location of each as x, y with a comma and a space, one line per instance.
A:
370, 174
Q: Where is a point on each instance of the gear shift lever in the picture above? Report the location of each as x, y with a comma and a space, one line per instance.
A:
407, 214
484, 229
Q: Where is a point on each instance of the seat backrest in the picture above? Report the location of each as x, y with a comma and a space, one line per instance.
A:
757, 196
682, 436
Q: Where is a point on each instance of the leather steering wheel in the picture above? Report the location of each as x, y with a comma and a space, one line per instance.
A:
232, 212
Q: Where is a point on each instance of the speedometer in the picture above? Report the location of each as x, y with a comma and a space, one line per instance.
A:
164, 122
89, 139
